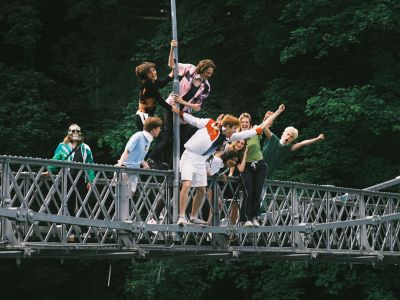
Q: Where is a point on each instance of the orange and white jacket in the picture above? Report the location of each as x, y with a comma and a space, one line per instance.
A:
209, 137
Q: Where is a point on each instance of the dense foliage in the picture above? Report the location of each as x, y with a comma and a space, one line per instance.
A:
335, 64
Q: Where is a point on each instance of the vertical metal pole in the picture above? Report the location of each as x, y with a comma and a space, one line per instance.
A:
364, 244
215, 196
176, 139
6, 225
64, 192
297, 236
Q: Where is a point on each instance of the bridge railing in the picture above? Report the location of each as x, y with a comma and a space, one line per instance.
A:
40, 197
295, 217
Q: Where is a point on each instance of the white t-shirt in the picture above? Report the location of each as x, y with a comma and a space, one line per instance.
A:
214, 165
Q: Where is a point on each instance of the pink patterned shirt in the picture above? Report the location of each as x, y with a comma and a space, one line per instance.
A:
188, 73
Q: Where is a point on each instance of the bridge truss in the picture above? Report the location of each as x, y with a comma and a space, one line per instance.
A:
299, 221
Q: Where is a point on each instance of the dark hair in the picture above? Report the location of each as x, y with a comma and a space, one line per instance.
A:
142, 70
203, 65
152, 122
230, 154
241, 151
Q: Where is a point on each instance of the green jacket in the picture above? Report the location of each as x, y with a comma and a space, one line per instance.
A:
62, 152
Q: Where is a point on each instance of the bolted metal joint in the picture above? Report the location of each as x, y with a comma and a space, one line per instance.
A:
376, 220
307, 227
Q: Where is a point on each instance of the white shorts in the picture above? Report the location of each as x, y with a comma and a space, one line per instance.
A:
132, 181
193, 168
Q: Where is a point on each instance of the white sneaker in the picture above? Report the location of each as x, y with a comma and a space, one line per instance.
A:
197, 221
182, 221
255, 223
152, 222
248, 224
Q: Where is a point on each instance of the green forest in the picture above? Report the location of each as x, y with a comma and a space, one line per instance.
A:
334, 64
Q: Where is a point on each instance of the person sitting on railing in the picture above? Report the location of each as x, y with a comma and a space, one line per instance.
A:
137, 148
207, 139
74, 149
149, 96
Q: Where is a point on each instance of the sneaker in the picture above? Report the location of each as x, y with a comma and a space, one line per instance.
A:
248, 224
164, 166
156, 165
182, 221
197, 221
152, 222
152, 163
255, 223
71, 238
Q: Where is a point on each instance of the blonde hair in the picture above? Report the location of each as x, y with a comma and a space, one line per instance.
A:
242, 116
151, 123
67, 139
292, 131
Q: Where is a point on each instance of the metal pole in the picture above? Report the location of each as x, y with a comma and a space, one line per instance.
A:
176, 141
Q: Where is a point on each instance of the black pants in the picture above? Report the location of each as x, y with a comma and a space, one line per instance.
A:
161, 151
138, 122
73, 202
253, 179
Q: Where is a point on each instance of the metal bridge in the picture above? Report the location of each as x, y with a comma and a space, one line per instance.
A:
299, 221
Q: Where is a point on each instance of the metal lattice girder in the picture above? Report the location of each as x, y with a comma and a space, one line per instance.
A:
301, 220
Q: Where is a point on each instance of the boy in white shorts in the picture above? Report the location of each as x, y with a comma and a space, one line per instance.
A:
207, 139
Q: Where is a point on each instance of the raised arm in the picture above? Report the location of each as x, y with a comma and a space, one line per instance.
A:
171, 58
301, 144
271, 117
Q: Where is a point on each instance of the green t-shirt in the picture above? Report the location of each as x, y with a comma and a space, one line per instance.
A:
254, 149
274, 153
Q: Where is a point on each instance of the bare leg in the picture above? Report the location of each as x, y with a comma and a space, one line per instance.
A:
209, 195
234, 213
186, 184
197, 200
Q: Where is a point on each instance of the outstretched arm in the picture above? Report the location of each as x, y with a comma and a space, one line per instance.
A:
188, 118
194, 106
301, 144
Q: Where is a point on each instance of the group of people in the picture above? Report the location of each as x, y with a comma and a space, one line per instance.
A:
208, 146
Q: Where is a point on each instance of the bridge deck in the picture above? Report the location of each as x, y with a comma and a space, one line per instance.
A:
299, 221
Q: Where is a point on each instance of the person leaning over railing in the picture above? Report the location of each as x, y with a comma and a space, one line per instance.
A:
219, 165
275, 150
207, 139
241, 147
74, 149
